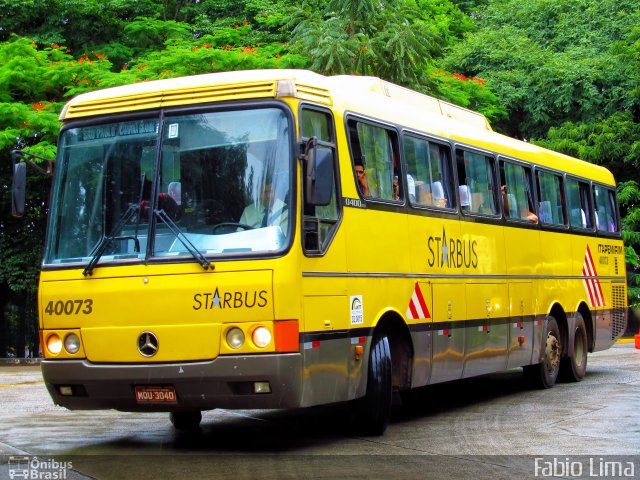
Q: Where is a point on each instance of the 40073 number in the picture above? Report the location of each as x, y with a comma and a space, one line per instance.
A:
69, 307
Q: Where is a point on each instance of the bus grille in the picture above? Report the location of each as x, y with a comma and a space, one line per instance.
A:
618, 312
157, 99
314, 94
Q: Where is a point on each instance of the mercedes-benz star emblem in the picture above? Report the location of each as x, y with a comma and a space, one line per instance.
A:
148, 344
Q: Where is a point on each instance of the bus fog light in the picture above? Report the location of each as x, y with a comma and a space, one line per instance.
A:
66, 390
261, 387
72, 343
54, 344
235, 338
261, 337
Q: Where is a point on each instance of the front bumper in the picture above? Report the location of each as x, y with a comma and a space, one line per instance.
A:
226, 382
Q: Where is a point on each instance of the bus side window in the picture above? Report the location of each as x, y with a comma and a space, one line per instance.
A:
516, 191
550, 205
605, 209
429, 176
476, 183
375, 158
578, 204
320, 221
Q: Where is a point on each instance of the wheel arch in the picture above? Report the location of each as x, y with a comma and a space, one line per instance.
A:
393, 325
560, 315
584, 310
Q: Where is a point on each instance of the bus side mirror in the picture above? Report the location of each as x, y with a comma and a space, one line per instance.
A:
319, 174
18, 189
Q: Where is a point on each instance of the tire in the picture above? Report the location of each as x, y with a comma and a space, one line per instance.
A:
371, 413
574, 366
545, 373
186, 421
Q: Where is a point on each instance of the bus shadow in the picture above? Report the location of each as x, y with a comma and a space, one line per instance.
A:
318, 429
270, 431
285, 431
459, 394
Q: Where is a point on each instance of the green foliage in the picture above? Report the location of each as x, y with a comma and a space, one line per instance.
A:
145, 33
612, 141
629, 198
81, 25
471, 93
551, 61
365, 37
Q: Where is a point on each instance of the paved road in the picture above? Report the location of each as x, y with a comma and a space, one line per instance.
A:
488, 427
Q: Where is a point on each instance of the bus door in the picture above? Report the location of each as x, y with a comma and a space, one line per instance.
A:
325, 328
486, 331
448, 331
521, 319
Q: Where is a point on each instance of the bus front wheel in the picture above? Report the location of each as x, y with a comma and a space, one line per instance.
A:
372, 412
186, 421
545, 373
574, 366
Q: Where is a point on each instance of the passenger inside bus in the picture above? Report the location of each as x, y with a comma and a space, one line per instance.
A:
513, 210
363, 183
439, 199
465, 198
174, 191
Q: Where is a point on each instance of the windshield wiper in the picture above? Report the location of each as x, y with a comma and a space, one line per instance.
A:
102, 246
179, 234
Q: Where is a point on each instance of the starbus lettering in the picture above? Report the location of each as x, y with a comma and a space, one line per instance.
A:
452, 252
246, 299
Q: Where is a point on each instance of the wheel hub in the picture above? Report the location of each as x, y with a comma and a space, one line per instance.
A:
552, 357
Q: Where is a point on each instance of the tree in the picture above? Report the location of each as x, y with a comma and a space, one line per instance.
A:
629, 198
550, 61
366, 37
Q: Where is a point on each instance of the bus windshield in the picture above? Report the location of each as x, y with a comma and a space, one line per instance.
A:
219, 182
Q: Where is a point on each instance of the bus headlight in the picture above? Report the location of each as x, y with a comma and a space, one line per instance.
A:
261, 337
72, 343
54, 344
235, 337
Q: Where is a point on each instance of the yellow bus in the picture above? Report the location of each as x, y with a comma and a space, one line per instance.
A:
282, 239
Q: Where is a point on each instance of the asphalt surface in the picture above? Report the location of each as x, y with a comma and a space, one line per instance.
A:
487, 427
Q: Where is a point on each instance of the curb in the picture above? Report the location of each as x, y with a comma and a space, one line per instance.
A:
8, 362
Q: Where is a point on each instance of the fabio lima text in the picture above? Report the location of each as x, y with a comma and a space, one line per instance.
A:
585, 467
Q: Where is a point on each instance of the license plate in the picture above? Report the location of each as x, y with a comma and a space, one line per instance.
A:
156, 395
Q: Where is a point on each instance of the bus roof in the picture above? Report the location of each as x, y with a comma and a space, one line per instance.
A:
369, 96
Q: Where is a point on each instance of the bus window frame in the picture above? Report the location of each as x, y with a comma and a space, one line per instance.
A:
405, 132
590, 230
496, 177
326, 244
395, 139
163, 113
293, 158
606, 233
532, 191
553, 226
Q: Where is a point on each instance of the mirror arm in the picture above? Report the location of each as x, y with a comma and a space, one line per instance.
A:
15, 154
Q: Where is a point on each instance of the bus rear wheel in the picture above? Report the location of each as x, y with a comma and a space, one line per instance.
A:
574, 366
186, 421
371, 412
545, 373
